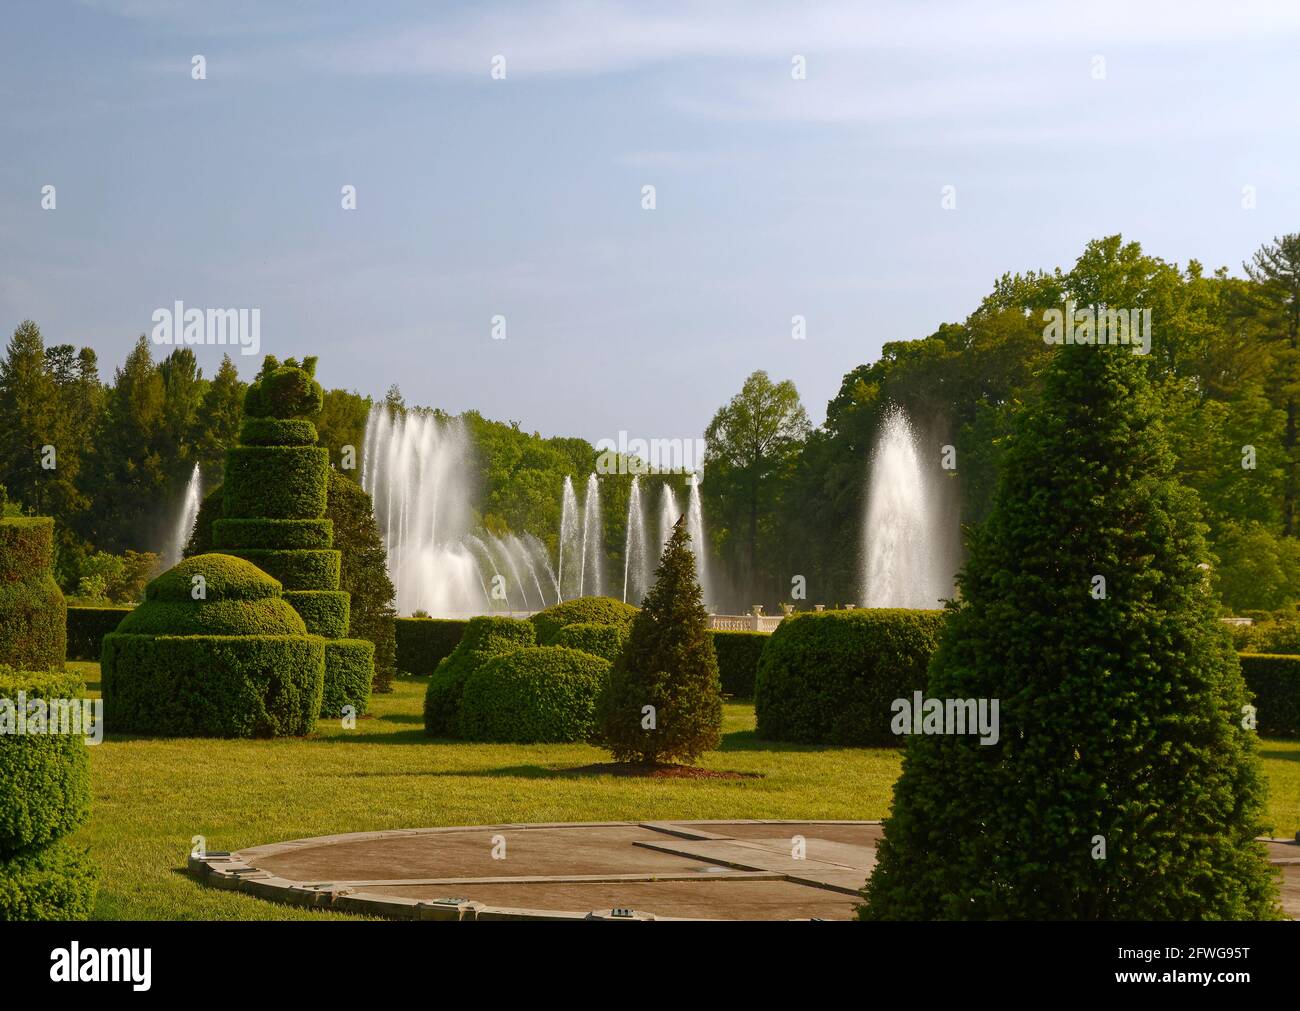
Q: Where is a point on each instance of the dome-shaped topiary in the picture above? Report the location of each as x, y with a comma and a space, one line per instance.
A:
485, 637
284, 391
581, 610
215, 577
605, 641
533, 695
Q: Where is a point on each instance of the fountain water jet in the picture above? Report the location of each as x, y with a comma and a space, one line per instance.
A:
569, 581
189, 516
695, 527
668, 515
635, 552
591, 582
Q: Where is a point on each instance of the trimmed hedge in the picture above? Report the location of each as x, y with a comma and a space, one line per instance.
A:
212, 686
1274, 680
270, 616
423, 642
272, 533
739, 654
297, 568
830, 677
484, 638
56, 882
604, 641
284, 391
33, 613
278, 432
276, 482
582, 610
324, 612
44, 777
225, 577
349, 670
538, 694
87, 627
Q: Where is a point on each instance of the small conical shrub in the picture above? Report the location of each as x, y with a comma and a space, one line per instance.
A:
668, 664
1124, 783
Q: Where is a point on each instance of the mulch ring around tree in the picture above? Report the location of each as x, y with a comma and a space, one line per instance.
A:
650, 771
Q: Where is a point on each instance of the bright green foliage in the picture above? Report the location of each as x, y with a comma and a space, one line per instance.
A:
1121, 717
325, 612
284, 391
223, 577
669, 664
350, 666
56, 882
1274, 681
483, 639
423, 642
276, 482
605, 641
33, 614
271, 533
535, 694
277, 432
738, 658
830, 677
87, 627
44, 777
583, 610
297, 568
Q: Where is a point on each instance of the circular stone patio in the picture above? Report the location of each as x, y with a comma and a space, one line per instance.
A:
667, 870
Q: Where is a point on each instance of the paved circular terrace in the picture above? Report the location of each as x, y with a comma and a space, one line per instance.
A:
670, 870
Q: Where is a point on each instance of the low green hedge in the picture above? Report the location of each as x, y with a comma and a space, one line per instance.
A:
278, 432
44, 777
325, 612
349, 670
297, 568
582, 610
423, 642
55, 882
1275, 682
87, 627
26, 547
212, 686
738, 657
273, 534
538, 694
484, 639
830, 677
604, 641
276, 482
33, 623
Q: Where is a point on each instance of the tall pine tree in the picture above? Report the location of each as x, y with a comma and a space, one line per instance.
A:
1124, 784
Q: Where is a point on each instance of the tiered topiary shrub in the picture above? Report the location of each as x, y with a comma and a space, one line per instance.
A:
33, 613
538, 694
274, 501
484, 638
44, 795
739, 654
423, 642
87, 627
830, 677
582, 610
214, 651
604, 641
1274, 681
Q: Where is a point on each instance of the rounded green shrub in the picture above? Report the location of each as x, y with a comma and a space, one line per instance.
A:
87, 627
325, 612
213, 686
533, 695
604, 641
278, 432
582, 610
44, 777
230, 534
268, 616
55, 882
349, 671
221, 577
284, 391
484, 638
297, 568
276, 482
739, 654
830, 677
423, 642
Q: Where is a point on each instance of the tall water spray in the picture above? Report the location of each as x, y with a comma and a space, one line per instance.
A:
668, 515
591, 583
569, 562
636, 553
695, 527
189, 516
906, 561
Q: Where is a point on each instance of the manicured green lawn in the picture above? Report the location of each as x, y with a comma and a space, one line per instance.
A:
152, 796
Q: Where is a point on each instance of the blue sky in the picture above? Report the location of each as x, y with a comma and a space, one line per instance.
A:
522, 197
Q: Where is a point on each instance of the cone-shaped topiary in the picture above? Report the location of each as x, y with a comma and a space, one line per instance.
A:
33, 613
1122, 784
275, 497
669, 664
